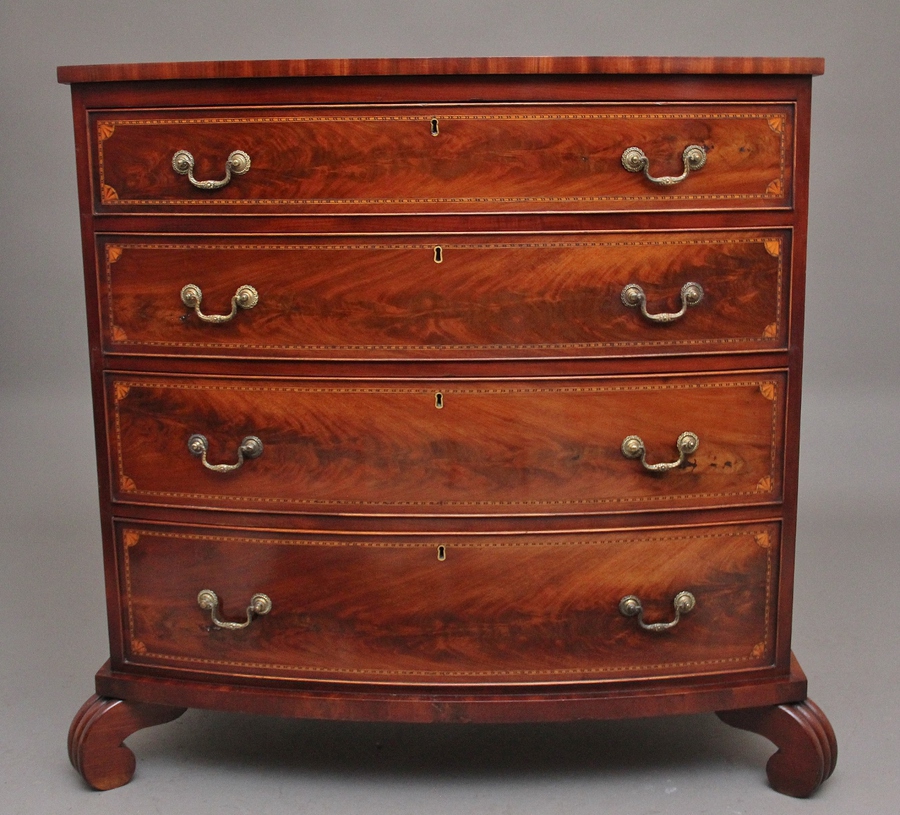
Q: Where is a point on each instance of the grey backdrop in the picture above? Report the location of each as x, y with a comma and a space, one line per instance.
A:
51, 606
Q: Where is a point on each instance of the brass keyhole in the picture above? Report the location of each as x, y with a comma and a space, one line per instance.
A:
442, 553
439, 401
435, 129
438, 254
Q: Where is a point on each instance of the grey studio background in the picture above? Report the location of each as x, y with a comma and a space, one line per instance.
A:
52, 618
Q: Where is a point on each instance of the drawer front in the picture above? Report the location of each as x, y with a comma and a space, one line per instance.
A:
446, 447
458, 609
468, 296
472, 158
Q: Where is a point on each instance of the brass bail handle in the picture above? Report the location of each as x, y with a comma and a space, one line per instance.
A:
245, 297
208, 600
633, 296
250, 447
631, 606
633, 447
635, 161
237, 163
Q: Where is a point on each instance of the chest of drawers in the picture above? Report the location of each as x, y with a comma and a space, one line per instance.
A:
447, 390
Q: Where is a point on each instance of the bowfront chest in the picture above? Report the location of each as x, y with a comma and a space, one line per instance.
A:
447, 390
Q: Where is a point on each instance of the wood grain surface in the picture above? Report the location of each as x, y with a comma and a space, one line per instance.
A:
460, 296
591, 65
442, 514
492, 447
485, 158
496, 609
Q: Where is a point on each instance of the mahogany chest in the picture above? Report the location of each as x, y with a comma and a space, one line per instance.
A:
447, 390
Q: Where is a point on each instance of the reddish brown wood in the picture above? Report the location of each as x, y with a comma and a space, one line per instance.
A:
485, 159
460, 297
494, 447
97, 733
807, 748
541, 370
521, 609
436, 67
547, 703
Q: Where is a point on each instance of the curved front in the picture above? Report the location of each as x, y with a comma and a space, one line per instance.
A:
453, 609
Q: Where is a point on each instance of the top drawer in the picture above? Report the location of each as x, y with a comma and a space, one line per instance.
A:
444, 159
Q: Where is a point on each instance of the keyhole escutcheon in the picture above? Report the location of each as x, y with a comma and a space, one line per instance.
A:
439, 401
435, 128
442, 553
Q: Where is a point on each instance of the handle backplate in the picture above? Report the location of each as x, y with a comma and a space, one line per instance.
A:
635, 161
631, 606
687, 443
208, 600
250, 447
245, 297
237, 163
633, 296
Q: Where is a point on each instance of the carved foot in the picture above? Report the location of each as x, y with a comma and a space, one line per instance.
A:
807, 749
97, 732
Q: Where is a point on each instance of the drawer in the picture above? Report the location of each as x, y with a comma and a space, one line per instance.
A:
455, 609
447, 447
461, 296
444, 158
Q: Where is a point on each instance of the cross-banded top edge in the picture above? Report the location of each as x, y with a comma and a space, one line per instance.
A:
275, 69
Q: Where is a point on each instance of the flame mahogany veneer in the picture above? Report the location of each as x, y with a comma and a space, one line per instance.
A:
396, 365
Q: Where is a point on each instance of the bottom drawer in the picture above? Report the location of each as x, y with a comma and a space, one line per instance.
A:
451, 609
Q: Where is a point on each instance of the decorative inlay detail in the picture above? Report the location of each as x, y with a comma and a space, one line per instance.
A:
130, 537
127, 484
777, 123
775, 188
766, 484
773, 247
763, 539
121, 390
118, 334
105, 130
767, 389
312, 670
108, 194
180, 342
113, 253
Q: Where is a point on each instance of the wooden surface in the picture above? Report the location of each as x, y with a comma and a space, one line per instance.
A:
477, 404
494, 447
485, 158
376, 297
521, 609
559, 702
97, 734
807, 748
452, 66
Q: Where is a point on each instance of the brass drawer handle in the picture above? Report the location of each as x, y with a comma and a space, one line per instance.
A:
633, 296
208, 600
633, 447
251, 447
631, 606
238, 163
245, 297
635, 161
